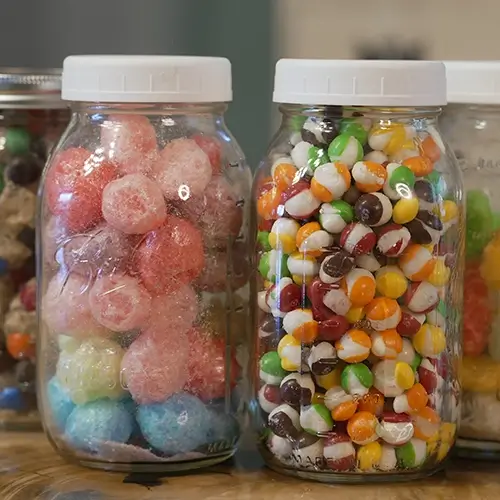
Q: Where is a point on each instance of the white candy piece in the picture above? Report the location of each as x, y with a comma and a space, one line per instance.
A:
376, 156
369, 262
330, 178
279, 447
395, 433
335, 396
322, 351
384, 378
316, 241
290, 412
303, 267
295, 319
337, 301
330, 219
300, 154
312, 421
302, 204
388, 460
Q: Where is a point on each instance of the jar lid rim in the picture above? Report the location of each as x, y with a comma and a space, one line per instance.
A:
473, 82
345, 82
30, 87
146, 79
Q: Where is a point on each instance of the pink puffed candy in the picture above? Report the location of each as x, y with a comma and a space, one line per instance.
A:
218, 211
156, 366
207, 365
100, 251
170, 255
222, 269
130, 141
212, 148
66, 308
174, 312
74, 184
182, 170
133, 204
119, 302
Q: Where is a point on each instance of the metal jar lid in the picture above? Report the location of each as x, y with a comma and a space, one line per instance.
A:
30, 88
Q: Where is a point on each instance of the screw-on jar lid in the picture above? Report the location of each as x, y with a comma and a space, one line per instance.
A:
360, 83
153, 79
473, 82
30, 88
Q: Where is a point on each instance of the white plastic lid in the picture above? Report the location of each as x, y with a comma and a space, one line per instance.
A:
153, 79
360, 83
473, 82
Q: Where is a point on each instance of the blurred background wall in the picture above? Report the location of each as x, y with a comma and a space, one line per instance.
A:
42, 33
253, 34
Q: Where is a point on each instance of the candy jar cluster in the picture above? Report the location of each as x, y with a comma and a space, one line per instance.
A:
357, 292
471, 123
144, 270
32, 118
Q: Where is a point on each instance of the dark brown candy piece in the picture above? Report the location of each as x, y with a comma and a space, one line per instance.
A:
425, 191
336, 265
319, 132
281, 422
294, 393
323, 358
352, 195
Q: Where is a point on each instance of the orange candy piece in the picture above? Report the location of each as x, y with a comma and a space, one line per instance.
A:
268, 203
361, 427
373, 402
377, 170
419, 165
20, 345
430, 149
284, 175
344, 411
303, 233
417, 397
426, 423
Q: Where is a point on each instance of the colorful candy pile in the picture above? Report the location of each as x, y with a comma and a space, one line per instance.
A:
136, 241
355, 261
27, 139
481, 362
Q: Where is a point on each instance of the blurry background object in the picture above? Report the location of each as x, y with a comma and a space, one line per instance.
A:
238, 30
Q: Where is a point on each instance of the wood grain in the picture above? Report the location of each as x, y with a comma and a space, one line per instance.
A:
31, 470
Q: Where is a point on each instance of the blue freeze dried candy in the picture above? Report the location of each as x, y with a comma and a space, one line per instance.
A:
59, 402
102, 420
178, 425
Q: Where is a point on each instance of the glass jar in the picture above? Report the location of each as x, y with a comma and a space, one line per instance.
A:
143, 269
32, 118
358, 206
471, 124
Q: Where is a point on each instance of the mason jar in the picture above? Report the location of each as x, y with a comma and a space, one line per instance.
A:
32, 118
358, 274
143, 268
471, 124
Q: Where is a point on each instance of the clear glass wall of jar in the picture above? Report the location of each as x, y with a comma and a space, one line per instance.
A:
357, 295
32, 118
471, 124
143, 269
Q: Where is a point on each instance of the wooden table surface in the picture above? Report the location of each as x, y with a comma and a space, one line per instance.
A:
31, 470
